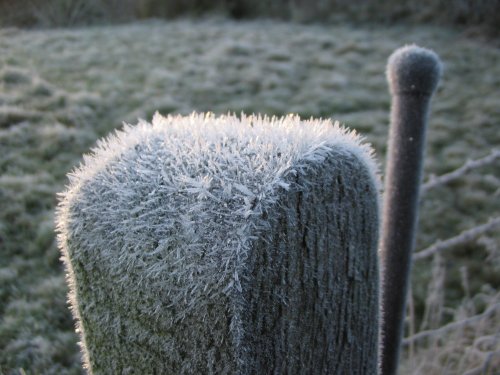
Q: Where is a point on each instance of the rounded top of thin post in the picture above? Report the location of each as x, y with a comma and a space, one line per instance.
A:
413, 70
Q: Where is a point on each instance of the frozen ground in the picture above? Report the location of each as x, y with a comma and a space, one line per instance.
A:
62, 89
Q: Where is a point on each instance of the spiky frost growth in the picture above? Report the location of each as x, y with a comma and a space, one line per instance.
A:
224, 245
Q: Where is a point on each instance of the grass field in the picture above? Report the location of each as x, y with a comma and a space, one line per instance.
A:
60, 90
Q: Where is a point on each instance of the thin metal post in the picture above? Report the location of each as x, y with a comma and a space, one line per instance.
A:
413, 74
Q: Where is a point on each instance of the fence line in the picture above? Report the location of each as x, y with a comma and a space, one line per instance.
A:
463, 237
459, 172
451, 326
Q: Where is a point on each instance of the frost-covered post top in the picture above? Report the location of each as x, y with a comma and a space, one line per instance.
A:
413, 70
275, 143
224, 245
285, 139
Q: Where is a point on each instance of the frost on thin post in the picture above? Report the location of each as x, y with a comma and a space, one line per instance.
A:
224, 245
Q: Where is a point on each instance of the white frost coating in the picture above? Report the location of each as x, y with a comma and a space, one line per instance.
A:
169, 203
296, 138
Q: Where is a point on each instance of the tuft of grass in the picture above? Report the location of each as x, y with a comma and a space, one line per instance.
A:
469, 344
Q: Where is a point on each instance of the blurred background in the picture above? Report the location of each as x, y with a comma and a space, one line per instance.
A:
482, 14
71, 71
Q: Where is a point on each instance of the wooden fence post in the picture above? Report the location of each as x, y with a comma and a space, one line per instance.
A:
224, 245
